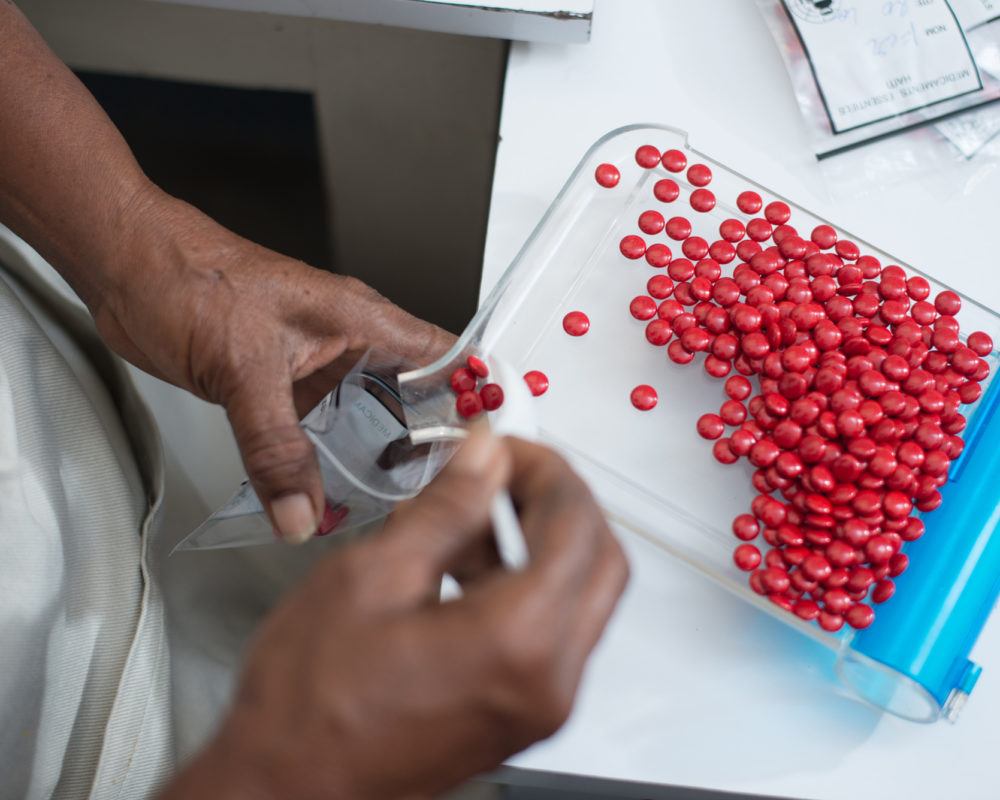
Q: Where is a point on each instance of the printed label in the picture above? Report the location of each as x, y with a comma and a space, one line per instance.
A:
878, 59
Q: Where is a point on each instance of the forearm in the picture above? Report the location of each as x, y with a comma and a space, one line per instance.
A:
69, 184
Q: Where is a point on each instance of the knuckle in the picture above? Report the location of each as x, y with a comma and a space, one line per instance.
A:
275, 456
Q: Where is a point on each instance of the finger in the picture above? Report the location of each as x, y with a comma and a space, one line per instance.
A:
278, 456
448, 522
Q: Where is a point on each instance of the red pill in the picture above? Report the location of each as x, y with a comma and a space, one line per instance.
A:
722, 452
722, 251
607, 175
759, 229
775, 580
492, 396
469, 404
847, 250
860, 616
764, 453
824, 236
576, 323
816, 568
806, 609
733, 412
777, 213
651, 222
642, 307
538, 382
738, 387
883, 590
746, 557
837, 601
666, 190
879, 549
732, 230
702, 200
830, 622
695, 340
749, 202
746, 527
677, 353
980, 343
674, 161
659, 332
710, 426
695, 247
947, 302
463, 379
644, 397
699, 175
478, 366
678, 228
632, 247
647, 156
660, 286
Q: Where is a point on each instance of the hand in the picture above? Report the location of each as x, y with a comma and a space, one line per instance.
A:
263, 335
362, 685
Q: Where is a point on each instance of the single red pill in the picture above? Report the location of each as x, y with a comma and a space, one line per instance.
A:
677, 353
632, 247
469, 404
678, 228
702, 200
830, 622
777, 213
746, 527
674, 161
759, 229
879, 549
651, 222
660, 287
642, 307
538, 382
644, 397
806, 609
722, 251
576, 323
738, 387
860, 616
733, 412
492, 396
746, 557
847, 250
666, 190
696, 340
764, 453
647, 156
732, 230
695, 247
710, 426
824, 236
658, 255
883, 590
699, 175
918, 288
837, 601
947, 302
607, 175
463, 379
980, 343
659, 332
749, 202
722, 452
816, 568
478, 366
775, 580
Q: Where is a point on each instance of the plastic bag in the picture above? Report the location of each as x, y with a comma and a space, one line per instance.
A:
871, 77
366, 459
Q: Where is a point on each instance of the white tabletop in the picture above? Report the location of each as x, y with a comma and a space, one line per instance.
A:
689, 687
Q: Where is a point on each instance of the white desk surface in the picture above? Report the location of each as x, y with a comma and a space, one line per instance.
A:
689, 687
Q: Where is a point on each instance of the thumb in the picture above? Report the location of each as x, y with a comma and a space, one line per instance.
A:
278, 456
448, 523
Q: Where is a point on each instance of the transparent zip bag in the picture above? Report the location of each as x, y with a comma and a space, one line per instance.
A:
374, 448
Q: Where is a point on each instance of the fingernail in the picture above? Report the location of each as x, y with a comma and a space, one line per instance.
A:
295, 517
477, 452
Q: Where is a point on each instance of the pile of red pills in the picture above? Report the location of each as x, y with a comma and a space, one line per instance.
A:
853, 418
471, 399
